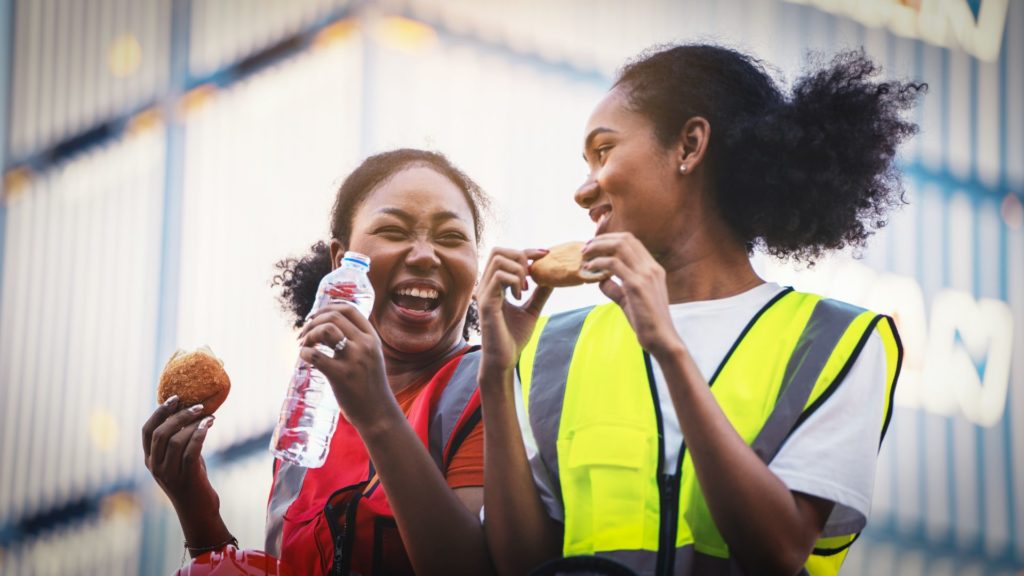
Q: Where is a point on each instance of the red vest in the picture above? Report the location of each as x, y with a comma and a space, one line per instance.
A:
336, 519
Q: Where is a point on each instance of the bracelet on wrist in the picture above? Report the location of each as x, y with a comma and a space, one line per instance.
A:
198, 550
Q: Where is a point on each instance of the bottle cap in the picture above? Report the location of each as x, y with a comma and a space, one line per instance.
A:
356, 258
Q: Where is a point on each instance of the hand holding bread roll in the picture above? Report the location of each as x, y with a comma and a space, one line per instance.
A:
562, 266
197, 377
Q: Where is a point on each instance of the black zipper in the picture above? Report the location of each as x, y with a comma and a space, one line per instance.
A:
667, 530
343, 530
668, 489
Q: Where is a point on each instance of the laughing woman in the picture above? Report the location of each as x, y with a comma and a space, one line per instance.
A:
402, 487
704, 421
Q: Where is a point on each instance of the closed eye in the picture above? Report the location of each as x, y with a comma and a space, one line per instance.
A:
452, 238
391, 232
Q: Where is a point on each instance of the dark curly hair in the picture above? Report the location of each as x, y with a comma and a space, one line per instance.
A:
793, 175
299, 277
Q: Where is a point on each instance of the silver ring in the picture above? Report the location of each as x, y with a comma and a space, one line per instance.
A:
340, 346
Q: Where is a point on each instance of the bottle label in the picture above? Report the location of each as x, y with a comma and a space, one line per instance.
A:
341, 291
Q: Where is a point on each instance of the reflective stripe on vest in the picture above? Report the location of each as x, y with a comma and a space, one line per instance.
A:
458, 401
596, 420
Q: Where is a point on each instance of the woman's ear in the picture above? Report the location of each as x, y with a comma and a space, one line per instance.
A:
693, 143
337, 253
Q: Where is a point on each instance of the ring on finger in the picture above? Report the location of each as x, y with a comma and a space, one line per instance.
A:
340, 346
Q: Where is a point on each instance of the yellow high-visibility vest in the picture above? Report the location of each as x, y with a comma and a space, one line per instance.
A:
589, 392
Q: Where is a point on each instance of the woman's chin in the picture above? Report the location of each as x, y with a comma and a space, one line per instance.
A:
404, 343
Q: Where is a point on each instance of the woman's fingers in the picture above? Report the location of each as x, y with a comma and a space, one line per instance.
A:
193, 451
327, 334
537, 300
166, 430
535, 253
156, 419
622, 255
612, 290
172, 461
503, 279
505, 269
341, 314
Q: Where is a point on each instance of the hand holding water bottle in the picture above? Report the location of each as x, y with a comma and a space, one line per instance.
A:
338, 320
356, 372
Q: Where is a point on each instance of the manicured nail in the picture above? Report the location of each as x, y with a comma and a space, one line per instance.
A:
196, 409
544, 250
526, 284
206, 423
171, 401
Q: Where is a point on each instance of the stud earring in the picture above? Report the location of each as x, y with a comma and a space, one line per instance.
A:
682, 168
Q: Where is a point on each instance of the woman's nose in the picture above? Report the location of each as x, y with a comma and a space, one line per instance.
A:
422, 255
586, 194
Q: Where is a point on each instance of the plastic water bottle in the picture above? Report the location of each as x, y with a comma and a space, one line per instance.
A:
309, 414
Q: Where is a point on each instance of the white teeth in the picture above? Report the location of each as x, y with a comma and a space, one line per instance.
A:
427, 293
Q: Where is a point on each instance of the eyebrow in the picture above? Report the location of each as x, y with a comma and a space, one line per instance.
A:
443, 215
590, 138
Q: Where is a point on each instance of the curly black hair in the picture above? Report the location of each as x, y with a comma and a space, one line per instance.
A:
299, 277
793, 175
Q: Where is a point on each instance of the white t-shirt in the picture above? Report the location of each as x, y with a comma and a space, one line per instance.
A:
832, 455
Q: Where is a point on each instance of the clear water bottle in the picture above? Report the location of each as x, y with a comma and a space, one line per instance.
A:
309, 414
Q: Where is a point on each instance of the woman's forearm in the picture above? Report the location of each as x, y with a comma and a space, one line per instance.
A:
520, 532
764, 524
441, 535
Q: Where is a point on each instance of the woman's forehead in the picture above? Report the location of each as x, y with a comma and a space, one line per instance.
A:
611, 112
418, 192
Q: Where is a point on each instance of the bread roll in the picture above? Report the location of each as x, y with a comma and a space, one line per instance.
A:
197, 377
561, 266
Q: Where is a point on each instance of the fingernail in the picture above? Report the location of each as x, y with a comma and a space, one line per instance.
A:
206, 423
526, 284
171, 401
196, 409
544, 250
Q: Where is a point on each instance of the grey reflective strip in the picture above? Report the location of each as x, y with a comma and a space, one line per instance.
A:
287, 483
827, 324
640, 561
452, 404
547, 384
688, 562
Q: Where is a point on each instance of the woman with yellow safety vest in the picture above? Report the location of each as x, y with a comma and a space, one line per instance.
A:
704, 421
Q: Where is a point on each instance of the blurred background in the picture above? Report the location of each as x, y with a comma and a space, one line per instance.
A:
160, 155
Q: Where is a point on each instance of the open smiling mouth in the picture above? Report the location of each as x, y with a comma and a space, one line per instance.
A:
419, 300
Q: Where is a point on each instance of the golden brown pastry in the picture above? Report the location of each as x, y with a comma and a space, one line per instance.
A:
561, 266
197, 378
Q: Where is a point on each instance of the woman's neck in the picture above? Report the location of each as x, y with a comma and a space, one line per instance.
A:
404, 370
709, 265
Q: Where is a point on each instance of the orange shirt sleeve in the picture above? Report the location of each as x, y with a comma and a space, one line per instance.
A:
467, 465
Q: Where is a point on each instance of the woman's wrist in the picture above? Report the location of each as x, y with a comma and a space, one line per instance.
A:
495, 368
203, 528
668, 350
495, 379
379, 421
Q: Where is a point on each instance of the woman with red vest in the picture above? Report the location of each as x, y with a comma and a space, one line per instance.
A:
402, 487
